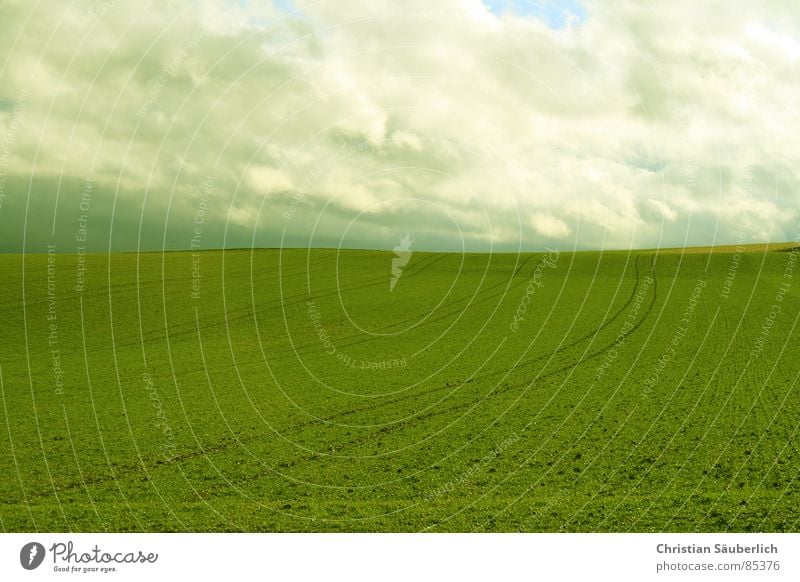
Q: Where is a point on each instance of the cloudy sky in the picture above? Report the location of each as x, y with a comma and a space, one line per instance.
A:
469, 124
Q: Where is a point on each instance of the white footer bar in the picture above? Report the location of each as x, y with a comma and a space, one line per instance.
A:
400, 557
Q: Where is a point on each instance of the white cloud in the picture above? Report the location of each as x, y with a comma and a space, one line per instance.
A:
550, 226
265, 180
621, 130
664, 209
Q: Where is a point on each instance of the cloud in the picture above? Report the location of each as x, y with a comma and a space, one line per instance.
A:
550, 226
664, 209
470, 124
265, 179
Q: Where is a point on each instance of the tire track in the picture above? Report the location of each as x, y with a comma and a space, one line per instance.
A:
177, 330
360, 339
472, 404
228, 442
510, 387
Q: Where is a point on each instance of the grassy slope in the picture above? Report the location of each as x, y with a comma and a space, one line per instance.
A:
550, 427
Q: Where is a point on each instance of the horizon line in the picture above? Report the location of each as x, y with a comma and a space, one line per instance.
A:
745, 247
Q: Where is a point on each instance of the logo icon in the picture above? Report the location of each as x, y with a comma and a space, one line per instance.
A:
402, 257
31, 555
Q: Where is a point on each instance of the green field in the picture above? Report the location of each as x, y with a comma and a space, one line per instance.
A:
292, 390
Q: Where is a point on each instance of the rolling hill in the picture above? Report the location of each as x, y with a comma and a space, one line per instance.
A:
303, 390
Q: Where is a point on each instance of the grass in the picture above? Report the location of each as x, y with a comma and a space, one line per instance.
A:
292, 391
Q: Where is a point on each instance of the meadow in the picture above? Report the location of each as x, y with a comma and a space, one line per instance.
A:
302, 390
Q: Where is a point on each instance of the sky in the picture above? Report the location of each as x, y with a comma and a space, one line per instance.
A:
501, 125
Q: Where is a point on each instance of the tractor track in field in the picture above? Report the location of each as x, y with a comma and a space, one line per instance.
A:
503, 390
134, 471
386, 430
591, 334
442, 317
125, 472
247, 313
594, 332
359, 339
316, 350
142, 286
508, 387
